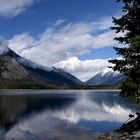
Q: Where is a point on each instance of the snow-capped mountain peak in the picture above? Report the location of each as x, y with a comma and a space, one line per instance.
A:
108, 71
106, 77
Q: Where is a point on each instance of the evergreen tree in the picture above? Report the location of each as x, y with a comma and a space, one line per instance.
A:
129, 65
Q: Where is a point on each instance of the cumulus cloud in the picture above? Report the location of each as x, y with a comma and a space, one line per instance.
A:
85, 69
11, 8
63, 42
3, 46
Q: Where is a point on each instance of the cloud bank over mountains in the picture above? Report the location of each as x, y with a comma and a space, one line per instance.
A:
83, 69
63, 43
3, 46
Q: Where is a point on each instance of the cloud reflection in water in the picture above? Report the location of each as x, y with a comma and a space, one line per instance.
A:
73, 121
88, 110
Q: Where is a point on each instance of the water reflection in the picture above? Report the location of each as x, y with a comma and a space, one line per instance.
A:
61, 117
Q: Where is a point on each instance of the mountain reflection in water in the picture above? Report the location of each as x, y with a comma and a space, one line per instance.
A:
71, 115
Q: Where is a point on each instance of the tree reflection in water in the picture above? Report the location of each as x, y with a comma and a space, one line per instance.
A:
61, 116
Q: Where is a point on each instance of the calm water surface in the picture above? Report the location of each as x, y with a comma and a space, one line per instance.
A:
60, 115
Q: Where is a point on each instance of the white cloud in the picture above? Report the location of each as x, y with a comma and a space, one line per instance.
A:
83, 69
3, 46
21, 42
60, 22
11, 8
62, 42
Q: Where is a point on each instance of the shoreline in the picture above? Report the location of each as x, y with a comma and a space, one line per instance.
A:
128, 131
53, 91
63, 89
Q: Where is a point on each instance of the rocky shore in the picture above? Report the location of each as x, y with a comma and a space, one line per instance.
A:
128, 131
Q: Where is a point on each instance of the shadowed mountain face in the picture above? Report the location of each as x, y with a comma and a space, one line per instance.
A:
14, 68
108, 78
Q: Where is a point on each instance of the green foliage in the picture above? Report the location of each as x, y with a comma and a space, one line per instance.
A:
21, 85
129, 65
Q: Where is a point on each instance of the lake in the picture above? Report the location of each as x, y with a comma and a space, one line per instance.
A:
61, 114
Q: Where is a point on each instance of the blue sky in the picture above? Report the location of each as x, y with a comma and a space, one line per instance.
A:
37, 16
71, 34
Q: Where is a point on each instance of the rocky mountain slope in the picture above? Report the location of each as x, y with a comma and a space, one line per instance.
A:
14, 68
106, 78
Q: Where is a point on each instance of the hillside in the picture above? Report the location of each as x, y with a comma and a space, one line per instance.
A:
15, 69
105, 78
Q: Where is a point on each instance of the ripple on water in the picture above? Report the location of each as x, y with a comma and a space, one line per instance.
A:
2, 133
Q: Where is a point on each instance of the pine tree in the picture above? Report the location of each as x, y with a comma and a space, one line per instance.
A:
129, 65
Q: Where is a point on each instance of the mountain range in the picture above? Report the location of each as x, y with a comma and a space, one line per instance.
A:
105, 78
15, 69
